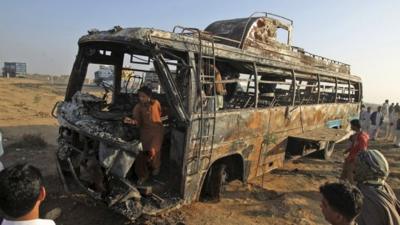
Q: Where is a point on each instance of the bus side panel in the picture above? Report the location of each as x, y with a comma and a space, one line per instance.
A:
284, 121
246, 140
259, 136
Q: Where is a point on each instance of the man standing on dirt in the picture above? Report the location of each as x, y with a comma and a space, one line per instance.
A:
376, 122
21, 194
341, 203
397, 108
393, 116
365, 114
359, 142
385, 112
1, 152
397, 132
380, 203
391, 107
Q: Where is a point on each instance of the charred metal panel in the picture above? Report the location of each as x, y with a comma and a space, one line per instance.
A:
166, 80
322, 134
266, 55
233, 29
261, 134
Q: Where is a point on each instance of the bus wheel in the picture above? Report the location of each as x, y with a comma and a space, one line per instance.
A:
328, 150
215, 179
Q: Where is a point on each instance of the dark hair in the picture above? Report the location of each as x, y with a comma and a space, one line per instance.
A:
356, 123
344, 198
146, 90
19, 189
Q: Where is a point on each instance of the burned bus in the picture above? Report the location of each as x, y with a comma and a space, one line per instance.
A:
237, 99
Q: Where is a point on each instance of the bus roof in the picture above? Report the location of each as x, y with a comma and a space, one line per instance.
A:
247, 39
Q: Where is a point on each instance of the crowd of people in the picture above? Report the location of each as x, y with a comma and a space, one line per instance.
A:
385, 119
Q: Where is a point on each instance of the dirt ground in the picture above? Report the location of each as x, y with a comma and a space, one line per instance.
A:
286, 196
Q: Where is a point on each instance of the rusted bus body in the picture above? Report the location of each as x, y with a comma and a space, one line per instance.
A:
259, 136
275, 94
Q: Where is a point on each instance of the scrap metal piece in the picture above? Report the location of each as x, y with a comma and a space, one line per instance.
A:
90, 192
322, 134
61, 176
159, 201
145, 190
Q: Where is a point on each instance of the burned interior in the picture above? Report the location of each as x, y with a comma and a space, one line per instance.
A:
95, 143
234, 98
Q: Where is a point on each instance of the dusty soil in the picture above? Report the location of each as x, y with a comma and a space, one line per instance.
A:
286, 196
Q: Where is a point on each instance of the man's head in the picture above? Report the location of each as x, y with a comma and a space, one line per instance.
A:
145, 94
387, 100
371, 167
341, 202
379, 108
369, 109
21, 190
355, 125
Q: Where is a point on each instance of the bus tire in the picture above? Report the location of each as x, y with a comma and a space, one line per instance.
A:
214, 183
325, 153
328, 150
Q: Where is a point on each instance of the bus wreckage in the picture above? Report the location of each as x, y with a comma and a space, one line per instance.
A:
236, 101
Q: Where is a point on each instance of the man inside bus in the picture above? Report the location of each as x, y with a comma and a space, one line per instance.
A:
208, 89
359, 142
219, 89
380, 203
341, 203
147, 115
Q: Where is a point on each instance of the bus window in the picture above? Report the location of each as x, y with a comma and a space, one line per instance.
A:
99, 81
234, 85
306, 91
327, 90
282, 36
274, 90
354, 92
240, 91
343, 91
136, 70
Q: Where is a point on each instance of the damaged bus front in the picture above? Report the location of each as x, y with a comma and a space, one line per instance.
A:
94, 143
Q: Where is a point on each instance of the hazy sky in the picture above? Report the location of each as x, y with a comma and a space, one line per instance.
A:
362, 33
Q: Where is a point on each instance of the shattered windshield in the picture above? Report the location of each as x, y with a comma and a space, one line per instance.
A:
113, 75
99, 81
